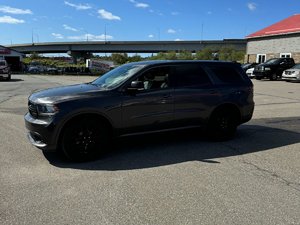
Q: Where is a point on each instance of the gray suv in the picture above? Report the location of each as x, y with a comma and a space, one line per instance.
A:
136, 98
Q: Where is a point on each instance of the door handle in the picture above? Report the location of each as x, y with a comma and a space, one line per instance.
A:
167, 96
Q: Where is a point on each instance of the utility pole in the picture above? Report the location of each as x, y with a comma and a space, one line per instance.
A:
32, 35
202, 32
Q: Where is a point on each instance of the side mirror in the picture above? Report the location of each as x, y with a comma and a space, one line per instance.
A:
136, 86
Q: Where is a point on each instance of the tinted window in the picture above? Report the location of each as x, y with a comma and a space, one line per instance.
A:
191, 76
156, 78
226, 74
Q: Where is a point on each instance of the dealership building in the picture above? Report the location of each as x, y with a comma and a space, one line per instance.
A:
281, 39
13, 58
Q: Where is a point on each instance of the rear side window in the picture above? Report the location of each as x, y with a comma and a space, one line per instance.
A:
226, 74
191, 76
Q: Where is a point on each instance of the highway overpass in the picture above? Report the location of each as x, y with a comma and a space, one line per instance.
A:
85, 47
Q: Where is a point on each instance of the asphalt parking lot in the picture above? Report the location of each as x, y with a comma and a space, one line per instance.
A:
169, 179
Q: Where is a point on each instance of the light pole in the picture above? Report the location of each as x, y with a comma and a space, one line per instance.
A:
86, 34
38, 38
32, 34
105, 33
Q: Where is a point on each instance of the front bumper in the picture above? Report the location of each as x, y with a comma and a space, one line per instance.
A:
41, 133
262, 74
4, 75
290, 78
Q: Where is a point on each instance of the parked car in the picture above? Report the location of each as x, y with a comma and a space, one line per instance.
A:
5, 72
247, 66
249, 72
34, 70
292, 74
53, 70
273, 68
137, 98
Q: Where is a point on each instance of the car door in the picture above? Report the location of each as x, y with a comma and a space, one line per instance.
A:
194, 95
150, 108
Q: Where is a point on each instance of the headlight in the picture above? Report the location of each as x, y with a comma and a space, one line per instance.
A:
47, 110
267, 68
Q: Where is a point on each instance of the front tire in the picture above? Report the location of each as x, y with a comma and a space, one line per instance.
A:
222, 125
84, 139
273, 77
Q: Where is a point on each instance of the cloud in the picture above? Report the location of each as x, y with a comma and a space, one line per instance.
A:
78, 6
69, 28
171, 31
150, 36
209, 12
139, 4
107, 15
57, 36
178, 39
8, 9
252, 6
174, 13
10, 20
91, 37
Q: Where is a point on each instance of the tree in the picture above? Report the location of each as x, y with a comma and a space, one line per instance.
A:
205, 54
35, 55
185, 55
119, 58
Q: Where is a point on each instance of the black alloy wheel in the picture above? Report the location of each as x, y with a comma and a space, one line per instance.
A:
222, 126
84, 140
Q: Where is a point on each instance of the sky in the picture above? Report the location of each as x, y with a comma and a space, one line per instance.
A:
27, 21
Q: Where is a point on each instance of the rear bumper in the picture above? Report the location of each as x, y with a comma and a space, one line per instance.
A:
247, 113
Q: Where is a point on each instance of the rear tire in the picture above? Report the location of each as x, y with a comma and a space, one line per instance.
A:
222, 125
84, 139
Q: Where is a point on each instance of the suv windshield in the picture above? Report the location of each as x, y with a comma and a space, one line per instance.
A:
117, 76
272, 61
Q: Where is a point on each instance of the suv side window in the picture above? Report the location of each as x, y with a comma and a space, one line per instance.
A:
191, 76
156, 78
226, 74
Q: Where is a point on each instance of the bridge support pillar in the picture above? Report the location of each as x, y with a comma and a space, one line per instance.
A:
76, 55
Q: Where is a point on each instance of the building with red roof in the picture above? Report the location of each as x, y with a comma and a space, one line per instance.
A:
281, 39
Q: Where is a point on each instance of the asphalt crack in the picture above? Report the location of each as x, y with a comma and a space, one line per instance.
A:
274, 175
267, 173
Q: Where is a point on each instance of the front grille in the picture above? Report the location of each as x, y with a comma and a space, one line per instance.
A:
258, 68
32, 108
